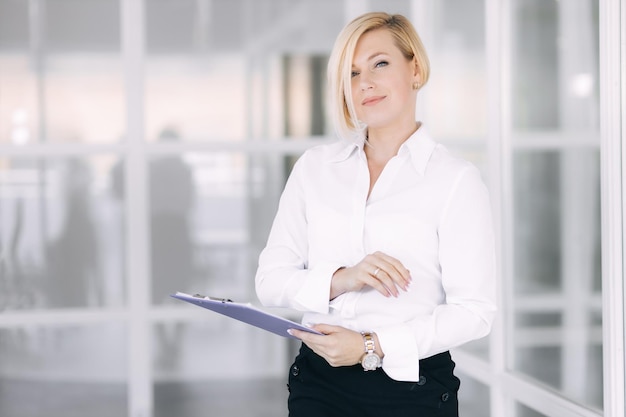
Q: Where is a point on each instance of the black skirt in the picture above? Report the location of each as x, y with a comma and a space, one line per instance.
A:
317, 389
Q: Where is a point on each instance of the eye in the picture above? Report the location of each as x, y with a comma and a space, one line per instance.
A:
381, 64
354, 74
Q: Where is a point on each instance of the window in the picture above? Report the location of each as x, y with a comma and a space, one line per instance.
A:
144, 146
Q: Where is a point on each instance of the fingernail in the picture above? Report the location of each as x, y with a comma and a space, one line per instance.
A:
290, 331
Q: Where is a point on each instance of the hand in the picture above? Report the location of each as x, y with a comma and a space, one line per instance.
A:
339, 346
382, 272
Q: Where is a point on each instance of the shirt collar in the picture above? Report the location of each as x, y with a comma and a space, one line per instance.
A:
419, 146
342, 150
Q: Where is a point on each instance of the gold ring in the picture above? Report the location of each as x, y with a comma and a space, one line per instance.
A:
377, 271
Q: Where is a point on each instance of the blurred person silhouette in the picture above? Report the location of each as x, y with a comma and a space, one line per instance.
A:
18, 289
20, 285
73, 272
171, 201
383, 239
171, 196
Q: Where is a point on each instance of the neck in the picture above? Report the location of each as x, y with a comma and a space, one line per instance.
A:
385, 143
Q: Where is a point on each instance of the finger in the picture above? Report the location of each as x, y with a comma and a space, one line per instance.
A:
378, 285
389, 277
395, 278
394, 268
325, 328
385, 279
389, 283
376, 276
378, 255
296, 333
306, 337
369, 276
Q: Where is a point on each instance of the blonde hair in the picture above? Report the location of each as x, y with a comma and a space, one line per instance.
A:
340, 63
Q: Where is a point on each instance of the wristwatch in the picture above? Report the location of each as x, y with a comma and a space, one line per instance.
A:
370, 359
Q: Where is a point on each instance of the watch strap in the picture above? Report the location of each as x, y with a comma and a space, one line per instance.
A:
368, 340
370, 359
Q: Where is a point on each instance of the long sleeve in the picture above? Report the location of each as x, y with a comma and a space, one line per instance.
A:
284, 277
468, 272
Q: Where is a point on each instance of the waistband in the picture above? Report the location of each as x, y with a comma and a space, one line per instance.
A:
436, 361
432, 362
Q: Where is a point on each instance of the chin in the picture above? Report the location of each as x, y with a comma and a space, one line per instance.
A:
377, 124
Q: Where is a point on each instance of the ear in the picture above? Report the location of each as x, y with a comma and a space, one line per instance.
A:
417, 74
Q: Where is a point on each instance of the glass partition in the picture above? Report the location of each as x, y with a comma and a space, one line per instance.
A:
556, 293
238, 71
61, 225
523, 411
47, 372
474, 397
61, 78
456, 94
199, 224
454, 102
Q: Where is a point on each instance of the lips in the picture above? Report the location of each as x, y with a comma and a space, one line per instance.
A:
370, 101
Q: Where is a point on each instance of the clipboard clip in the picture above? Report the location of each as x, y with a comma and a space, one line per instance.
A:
223, 300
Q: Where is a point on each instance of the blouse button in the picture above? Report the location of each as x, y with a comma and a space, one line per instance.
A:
295, 371
445, 396
422, 380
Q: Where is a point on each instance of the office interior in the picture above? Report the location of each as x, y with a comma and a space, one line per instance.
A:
144, 145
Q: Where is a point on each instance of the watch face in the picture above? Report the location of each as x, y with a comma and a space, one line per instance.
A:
370, 362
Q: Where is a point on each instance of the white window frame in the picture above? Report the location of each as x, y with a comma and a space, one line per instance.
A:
613, 178
508, 388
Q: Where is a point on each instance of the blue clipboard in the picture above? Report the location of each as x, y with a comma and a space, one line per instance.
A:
246, 313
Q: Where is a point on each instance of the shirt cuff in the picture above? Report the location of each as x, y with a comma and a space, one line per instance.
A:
401, 361
314, 294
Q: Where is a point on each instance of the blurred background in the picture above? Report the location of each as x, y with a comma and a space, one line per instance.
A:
143, 149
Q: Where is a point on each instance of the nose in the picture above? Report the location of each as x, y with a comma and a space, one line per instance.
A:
365, 81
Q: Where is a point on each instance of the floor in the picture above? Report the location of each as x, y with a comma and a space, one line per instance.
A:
251, 398
260, 398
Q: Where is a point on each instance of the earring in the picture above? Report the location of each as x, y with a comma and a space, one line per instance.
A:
416, 85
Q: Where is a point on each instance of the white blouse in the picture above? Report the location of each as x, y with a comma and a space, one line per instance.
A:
428, 209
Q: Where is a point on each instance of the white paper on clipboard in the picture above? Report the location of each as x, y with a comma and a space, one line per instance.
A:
246, 313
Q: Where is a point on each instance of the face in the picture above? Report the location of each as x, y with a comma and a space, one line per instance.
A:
382, 80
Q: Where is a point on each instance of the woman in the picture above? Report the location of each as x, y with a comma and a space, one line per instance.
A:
383, 239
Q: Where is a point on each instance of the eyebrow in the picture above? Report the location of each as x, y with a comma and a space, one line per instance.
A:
374, 55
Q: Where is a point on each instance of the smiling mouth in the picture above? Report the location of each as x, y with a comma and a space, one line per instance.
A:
372, 100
